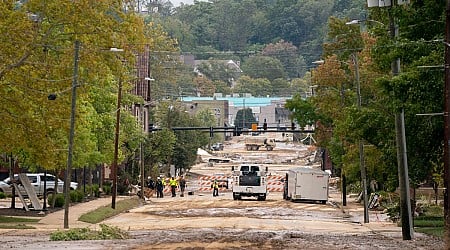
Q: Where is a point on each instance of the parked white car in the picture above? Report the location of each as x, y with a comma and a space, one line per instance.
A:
37, 181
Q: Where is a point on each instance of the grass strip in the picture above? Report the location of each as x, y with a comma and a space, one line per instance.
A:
105, 212
13, 219
429, 223
15, 226
434, 231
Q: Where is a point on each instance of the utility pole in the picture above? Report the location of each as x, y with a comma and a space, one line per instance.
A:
71, 135
446, 127
116, 148
361, 144
141, 153
405, 202
402, 161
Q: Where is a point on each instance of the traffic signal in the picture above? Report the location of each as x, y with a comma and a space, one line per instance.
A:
293, 126
265, 125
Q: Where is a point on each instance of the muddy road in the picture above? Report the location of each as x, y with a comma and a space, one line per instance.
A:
206, 222
201, 221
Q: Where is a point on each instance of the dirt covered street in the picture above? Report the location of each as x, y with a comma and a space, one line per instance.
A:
201, 221
221, 223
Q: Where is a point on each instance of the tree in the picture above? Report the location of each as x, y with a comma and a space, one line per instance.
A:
219, 70
287, 54
256, 87
263, 67
281, 87
184, 149
42, 63
244, 118
303, 111
204, 86
222, 87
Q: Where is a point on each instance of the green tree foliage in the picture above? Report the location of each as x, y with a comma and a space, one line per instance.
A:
303, 111
289, 31
232, 25
219, 70
38, 59
244, 118
263, 67
256, 87
416, 90
287, 54
181, 146
222, 87
281, 87
42, 63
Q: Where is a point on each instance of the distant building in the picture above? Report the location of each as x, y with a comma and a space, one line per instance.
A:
270, 109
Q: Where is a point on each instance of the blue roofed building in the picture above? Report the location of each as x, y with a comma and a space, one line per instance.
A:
270, 109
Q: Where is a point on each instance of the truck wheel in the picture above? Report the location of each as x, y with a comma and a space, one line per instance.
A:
235, 196
248, 148
324, 202
262, 197
49, 192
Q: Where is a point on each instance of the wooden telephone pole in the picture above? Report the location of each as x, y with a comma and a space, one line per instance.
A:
446, 126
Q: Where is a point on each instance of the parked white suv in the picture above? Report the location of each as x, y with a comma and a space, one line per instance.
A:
37, 181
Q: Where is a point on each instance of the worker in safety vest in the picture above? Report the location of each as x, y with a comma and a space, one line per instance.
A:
173, 185
215, 187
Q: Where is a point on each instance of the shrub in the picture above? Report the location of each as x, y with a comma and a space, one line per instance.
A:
59, 202
2, 195
121, 188
76, 196
93, 190
107, 188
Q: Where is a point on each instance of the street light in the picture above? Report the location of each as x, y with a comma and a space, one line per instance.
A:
407, 225
356, 21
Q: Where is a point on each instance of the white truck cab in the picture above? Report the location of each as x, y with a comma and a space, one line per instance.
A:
249, 180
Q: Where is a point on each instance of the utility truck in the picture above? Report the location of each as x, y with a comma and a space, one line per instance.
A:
255, 142
249, 180
306, 184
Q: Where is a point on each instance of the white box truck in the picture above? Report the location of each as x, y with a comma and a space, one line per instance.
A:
306, 184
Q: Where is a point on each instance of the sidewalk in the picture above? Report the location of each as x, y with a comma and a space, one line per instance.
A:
379, 222
55, 220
